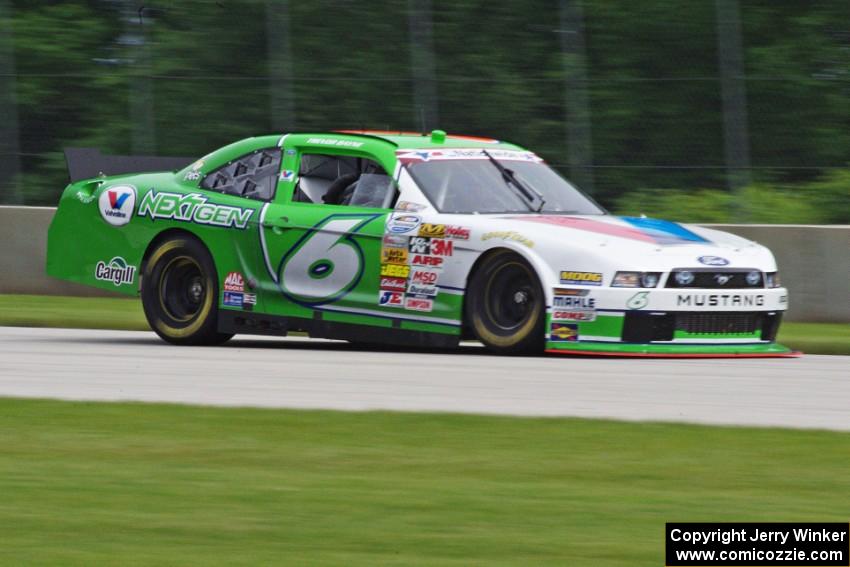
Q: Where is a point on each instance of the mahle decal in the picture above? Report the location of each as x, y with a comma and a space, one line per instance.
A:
193, 208
116, 271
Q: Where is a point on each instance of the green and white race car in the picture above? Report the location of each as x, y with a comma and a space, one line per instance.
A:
405, 238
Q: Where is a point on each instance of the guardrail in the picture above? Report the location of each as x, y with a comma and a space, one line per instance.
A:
814, 262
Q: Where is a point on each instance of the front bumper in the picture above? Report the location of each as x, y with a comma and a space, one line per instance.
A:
666, 322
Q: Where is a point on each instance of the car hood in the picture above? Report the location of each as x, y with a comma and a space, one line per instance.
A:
631, 242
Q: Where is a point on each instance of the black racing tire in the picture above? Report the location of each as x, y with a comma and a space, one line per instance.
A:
506, 306
180, 293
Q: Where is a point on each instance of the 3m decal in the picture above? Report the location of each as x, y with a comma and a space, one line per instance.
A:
508, 235
395, 270
394, 256
326, 263
581, 278
442, 247
393, 284
432, 230
419, 245
117, 271
424, 277
418, 304
563, 332
638, 300
720, 300
116, 204
234, 282
391, 299
430, 261
192, 208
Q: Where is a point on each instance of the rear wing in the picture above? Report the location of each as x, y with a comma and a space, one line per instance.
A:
85, 163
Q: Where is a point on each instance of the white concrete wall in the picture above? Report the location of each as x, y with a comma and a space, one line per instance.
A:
814, 262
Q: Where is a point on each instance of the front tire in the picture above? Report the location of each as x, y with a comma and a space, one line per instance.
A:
180, 291
505, 305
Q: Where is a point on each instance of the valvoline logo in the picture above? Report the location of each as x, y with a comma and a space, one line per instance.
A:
117, 204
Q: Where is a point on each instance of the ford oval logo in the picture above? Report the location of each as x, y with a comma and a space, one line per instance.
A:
713, 261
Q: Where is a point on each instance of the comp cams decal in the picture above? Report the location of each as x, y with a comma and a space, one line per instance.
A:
192, 208
116, 204
117, 271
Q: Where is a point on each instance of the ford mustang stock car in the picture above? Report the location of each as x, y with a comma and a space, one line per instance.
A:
405, 238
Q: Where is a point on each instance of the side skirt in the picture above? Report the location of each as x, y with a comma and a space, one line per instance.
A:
260, 324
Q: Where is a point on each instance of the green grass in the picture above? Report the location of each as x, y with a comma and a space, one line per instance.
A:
120, 313
137, 484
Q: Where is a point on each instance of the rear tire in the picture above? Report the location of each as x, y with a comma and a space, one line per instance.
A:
180, 293
506, 306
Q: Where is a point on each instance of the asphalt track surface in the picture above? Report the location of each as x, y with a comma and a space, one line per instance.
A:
806, 392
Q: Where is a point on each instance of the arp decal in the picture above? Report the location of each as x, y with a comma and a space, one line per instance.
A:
192, 208
116, 204
429, 261
322, 267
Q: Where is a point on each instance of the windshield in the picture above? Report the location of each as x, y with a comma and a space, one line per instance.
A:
474, 184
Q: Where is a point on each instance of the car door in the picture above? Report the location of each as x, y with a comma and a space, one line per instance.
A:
321, 237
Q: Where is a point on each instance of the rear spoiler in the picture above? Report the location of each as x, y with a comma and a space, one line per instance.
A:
85, 163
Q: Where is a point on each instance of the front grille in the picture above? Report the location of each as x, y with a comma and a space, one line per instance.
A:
715, 279
718, 323
648, 326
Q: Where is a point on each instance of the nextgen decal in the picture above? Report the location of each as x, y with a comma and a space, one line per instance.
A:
720, 300
192, 208
116, 271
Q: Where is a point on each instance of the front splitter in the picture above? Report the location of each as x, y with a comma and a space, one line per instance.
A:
630, 350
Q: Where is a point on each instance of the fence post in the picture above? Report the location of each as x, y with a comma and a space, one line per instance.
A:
10, 161
577, 111
279, 45
425, 103
736, 144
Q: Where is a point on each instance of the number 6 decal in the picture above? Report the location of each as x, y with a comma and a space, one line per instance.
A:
326, 263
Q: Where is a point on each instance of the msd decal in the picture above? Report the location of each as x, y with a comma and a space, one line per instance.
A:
116, 204
424, 277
